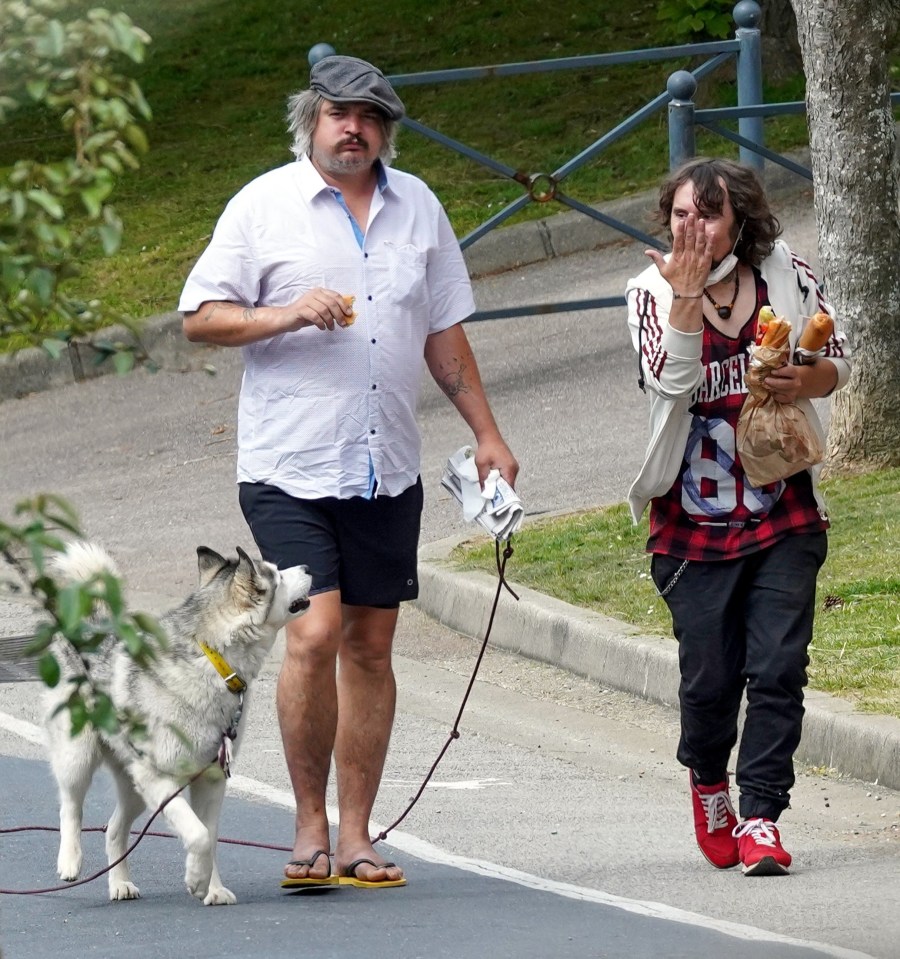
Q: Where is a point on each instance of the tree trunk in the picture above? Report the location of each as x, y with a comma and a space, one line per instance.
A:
856, 178
778, 30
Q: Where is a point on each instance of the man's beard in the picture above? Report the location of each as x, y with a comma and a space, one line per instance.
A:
341, 164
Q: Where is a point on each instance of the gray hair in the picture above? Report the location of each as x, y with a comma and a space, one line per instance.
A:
303, 114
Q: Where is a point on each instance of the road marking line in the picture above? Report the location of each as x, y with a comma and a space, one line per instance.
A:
422, 849
22, 729
460, 784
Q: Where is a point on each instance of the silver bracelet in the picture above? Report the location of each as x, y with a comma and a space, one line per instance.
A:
684, 296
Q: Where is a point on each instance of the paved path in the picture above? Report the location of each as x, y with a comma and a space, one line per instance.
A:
562, 793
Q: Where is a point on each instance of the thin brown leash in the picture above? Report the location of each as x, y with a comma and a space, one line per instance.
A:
454, 732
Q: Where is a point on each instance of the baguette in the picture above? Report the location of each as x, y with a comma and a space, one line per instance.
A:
777, 329
816, 332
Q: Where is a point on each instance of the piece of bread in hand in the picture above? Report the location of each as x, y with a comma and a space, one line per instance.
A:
351, 319
778, 329
816, 332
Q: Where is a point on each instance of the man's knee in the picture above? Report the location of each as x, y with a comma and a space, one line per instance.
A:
312, 641
368, 638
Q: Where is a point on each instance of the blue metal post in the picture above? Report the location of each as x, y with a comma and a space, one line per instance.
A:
682, 86
747, 15
318, 52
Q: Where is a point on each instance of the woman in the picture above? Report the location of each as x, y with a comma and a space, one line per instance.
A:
737, 564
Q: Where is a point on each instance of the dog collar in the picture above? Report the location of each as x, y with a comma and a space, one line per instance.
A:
232, 680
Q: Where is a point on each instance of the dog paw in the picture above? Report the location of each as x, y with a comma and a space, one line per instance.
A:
220, 897
197, 878
123, 890
68, 867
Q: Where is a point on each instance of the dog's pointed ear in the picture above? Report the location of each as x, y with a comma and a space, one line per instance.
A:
210, 562
246, 566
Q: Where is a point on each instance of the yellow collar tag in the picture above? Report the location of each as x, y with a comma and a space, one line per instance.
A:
232, 680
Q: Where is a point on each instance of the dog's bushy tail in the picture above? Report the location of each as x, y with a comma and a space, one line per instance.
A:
82, 561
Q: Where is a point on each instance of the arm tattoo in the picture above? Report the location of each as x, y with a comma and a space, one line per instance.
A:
248, 313
454, 382
209, 313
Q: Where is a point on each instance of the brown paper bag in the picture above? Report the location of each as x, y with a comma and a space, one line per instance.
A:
774, 440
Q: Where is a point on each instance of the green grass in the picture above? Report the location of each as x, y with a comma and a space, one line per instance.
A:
219, 71
596, 559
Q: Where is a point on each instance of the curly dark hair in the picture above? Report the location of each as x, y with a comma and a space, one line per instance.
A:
744, 190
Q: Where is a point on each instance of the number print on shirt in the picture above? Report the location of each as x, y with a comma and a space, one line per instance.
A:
713, 485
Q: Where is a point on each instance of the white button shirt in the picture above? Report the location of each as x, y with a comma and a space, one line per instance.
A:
317, 407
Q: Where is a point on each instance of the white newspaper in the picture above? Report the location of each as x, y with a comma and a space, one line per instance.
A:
497, 507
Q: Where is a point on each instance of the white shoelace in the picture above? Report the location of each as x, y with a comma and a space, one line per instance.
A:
761, 831
717, 806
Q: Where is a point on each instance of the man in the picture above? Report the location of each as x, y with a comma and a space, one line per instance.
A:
328, 447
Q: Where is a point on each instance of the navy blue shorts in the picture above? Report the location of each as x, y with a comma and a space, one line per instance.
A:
366, 548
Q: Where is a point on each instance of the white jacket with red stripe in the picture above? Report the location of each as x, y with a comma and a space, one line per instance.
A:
672, 369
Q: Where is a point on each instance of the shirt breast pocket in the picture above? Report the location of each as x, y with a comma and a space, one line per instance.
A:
407, 266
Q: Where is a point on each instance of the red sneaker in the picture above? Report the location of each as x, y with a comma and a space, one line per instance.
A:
714, 823
760, 848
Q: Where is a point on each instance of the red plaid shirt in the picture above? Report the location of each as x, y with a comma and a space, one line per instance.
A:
711, 511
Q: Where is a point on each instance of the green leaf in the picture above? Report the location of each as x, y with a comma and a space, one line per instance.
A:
46, 201
136, 95
93, 198
54, 347
53, 42
113, 594
150, 625
74, 605
37, 88
103, 715
18, 204
110, 237
98, 140
137, 138
112, 162
130, 638
131, 39
49, 670
42, 283
123, 361
43, 637
78, 713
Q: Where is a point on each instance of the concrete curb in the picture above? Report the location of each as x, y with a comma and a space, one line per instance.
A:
33, 370
616, 654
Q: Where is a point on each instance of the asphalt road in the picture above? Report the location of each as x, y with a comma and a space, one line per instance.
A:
559, 823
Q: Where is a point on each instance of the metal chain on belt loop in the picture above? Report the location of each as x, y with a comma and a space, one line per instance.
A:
454, 733
674, 579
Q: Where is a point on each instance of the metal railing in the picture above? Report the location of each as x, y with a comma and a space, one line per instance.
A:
683, 119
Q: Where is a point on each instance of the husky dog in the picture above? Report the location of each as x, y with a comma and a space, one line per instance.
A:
189, 700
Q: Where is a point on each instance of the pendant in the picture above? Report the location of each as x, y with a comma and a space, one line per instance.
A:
724, 312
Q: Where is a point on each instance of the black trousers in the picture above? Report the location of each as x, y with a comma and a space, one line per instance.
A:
745, 624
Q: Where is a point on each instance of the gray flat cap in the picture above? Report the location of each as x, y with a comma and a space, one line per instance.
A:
348, 79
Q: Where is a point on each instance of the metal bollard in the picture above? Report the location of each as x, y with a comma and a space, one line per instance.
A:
318, 52
747, 16
681, 86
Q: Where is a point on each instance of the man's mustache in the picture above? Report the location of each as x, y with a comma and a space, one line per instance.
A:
354, 140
